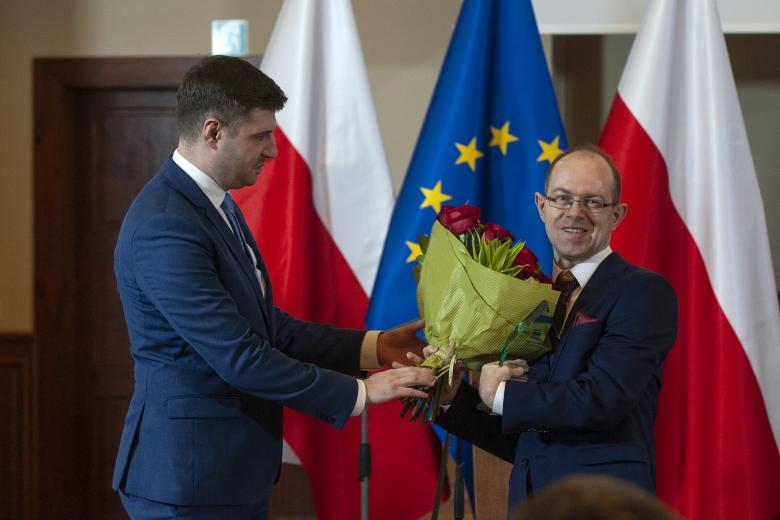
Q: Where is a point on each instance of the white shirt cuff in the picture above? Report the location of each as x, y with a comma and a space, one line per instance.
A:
498, 401
360, 403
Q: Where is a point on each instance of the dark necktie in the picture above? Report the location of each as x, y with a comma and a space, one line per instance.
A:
565, 283
231, 211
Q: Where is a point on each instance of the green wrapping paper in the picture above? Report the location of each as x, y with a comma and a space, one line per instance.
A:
474, 310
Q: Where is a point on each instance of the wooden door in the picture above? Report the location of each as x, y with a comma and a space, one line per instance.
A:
103, 128
122, 136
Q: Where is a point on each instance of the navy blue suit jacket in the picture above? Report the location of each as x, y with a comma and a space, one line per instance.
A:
589, 406
215, 361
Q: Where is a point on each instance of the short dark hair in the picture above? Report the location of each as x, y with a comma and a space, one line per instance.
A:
224, 87
592, 497
595, 150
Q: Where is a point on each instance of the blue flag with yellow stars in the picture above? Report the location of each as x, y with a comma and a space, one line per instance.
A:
491, 131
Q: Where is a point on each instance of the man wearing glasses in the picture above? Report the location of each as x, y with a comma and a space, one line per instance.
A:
589, 405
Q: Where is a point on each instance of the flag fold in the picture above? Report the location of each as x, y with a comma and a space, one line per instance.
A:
676, 133
320, 212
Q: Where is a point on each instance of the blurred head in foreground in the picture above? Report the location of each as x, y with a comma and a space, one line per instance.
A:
592, 497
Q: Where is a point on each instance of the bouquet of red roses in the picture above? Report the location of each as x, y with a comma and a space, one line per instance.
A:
483, 296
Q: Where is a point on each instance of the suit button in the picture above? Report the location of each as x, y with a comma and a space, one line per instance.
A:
524, 461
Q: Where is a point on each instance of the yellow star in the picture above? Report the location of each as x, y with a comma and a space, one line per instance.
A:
434, 197
469, 153
549, 150
502, 137
414, 251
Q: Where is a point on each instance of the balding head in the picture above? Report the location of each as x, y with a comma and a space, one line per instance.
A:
585, 151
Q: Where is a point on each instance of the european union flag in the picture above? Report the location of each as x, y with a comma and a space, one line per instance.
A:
491, 131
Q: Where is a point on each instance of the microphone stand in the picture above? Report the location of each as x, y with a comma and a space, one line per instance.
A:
364, 464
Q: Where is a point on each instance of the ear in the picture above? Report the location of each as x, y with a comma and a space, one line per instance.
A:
618, 214
539, 200
212, 131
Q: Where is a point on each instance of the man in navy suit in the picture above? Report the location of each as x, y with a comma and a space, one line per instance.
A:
215, 360
589, 405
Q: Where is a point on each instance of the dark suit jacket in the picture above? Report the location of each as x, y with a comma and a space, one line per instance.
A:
215, 361
589, 406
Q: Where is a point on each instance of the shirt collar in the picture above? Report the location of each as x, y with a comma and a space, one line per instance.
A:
585, 269
210, 188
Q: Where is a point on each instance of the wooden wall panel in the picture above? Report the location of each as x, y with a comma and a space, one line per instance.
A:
578, 84
16, 427
491, 485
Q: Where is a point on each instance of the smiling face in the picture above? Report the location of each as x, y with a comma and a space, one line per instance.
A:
576, 235
242, 150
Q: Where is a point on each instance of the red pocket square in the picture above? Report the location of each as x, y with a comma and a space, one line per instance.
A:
582, 318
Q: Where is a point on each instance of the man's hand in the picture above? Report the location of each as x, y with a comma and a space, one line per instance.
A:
492, 375
449, 391
397, 382
395, 343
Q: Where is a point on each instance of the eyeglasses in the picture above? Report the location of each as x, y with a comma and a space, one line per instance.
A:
590, 205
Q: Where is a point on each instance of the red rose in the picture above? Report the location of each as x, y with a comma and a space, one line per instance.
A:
459, 220
541, 276
527, 260
496, 232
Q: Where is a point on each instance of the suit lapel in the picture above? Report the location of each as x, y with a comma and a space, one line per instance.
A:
269, 299
590, 295
239, 254
182, 182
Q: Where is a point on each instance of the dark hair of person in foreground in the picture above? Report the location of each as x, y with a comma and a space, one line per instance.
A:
592, 497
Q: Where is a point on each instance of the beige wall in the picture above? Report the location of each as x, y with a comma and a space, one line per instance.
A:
404, 42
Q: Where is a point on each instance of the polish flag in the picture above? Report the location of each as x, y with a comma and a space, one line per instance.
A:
319, 213
676, 134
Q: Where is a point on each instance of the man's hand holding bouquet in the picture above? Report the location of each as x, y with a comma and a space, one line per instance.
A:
483, 297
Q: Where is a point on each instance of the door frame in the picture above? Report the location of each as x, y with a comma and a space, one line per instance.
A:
55, 198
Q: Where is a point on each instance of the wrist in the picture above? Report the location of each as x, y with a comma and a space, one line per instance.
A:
487, 397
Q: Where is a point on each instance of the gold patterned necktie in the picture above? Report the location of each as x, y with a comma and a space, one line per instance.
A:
565, 283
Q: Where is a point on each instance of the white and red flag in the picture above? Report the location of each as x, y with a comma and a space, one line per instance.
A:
320, 214
695, 215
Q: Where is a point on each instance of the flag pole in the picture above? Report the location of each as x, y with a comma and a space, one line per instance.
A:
445, 451
458, 499
364, 464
